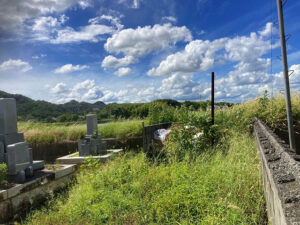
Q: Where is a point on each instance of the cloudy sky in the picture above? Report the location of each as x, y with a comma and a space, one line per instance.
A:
141, 50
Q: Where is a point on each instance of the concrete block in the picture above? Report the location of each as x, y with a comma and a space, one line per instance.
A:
92, 124
38, 165
8, 116
64, 171
18, 157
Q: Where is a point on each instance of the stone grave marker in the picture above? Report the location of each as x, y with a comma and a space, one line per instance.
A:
92, 143
14, 151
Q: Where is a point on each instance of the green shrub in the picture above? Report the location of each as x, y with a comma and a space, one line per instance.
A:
191, 135
3, 171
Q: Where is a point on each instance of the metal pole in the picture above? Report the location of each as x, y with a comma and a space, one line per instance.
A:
286, 77
212, 103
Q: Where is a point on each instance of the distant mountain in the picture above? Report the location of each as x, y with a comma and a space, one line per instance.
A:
30, 109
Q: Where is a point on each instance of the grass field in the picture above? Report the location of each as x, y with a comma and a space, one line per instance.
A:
219, 187
56, 132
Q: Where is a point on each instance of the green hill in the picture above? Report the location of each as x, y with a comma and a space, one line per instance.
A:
42, 110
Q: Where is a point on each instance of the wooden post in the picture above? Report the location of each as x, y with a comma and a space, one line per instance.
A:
144, 137
212, 104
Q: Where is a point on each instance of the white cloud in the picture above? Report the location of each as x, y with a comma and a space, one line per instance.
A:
60, 88
84, 4
121, 72
82, 91
15, 64
171, 19
43, 23
93, 94
68, 68
51, 29
111, 61
14, 12
89, 33
85, 85
143, 40
135, 4
197, 56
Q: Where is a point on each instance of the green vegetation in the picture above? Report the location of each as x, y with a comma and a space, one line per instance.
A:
73, 111
189, 182
3, 171
218, 187
37, 132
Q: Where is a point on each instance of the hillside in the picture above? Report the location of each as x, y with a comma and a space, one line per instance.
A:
42, 110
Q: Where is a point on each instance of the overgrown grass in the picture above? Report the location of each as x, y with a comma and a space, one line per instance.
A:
271, 111
219, 187
36, 132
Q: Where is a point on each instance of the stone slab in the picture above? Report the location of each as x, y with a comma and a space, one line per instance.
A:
63, 171
92, 124
38, 165
22, 196
18, 157
70, 159
8, 116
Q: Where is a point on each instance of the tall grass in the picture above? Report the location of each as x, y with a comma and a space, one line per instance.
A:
36, 132
219, 187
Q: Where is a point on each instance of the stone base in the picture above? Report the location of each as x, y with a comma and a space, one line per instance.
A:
20, 197
72, 159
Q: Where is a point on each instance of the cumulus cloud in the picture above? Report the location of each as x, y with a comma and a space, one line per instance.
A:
60, 88
15, 64
121, 72
199, 55
111, 61
82, 91
14, 12
68, 68
143, 40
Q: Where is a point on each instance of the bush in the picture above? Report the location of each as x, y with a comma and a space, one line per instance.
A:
3, 171
191, 135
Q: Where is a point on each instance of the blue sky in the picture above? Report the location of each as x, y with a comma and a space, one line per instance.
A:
139, 50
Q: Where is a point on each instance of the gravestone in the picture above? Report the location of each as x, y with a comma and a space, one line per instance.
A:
92, 124
14, 151
92, 143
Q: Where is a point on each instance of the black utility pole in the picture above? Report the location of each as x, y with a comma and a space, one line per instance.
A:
212, 103
286, 77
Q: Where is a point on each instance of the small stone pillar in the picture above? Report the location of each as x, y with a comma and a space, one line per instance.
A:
92, 124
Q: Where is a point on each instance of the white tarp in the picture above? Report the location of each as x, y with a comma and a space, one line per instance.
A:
161, 134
